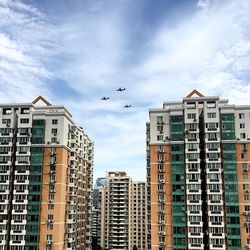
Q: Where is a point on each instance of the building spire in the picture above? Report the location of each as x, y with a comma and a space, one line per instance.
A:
40, 98
194, 92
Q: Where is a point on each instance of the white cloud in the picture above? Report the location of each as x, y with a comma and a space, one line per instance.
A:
208, 50
24, 50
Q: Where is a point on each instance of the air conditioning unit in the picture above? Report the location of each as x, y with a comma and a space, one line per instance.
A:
57, 142
50, 221
48, 142
50, 201
49, 242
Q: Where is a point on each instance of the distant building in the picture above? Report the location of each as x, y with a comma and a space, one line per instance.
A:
198, 181
120, 213
46, 175
101, 182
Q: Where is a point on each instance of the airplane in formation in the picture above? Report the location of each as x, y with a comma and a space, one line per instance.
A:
127, 106
105, 98
121, 89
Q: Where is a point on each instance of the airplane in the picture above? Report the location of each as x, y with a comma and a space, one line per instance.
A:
127, 106
121, 89
105, 98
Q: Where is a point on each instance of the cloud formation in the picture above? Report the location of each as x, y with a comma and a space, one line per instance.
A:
24, 50
93, 47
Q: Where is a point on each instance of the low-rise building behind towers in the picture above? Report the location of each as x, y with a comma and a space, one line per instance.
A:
122, 210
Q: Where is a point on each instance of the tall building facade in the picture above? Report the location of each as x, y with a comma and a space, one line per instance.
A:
46, 175
98, 217
198, 175
121, 213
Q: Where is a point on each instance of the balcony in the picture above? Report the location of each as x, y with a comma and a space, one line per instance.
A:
217, 224
17, 242
197, 191
196, 246
195, 235
216, 235
195, 223
199, 213
220, 246
212, 213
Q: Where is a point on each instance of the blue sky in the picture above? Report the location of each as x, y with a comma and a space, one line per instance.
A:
75, 52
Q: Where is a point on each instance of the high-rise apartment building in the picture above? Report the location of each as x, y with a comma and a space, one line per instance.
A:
98, 215
46, 176
198, 183
121, 213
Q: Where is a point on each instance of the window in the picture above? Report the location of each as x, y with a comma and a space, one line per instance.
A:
243, 156
49, 237
24, 120
50, 206
241, 115
54, 121
160, 119
242, 135
245, 176
211, 105
245, 186
53, 140
242, 125
191, 116
50, 217
246, 197
51, 197
160, 129
191, 105
6, 121
159, 137
212, 126
211, 115
49, 226
25, 110
54, 130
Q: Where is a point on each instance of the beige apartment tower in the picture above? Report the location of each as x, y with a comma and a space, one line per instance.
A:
122, 211
46, 175
198, 182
